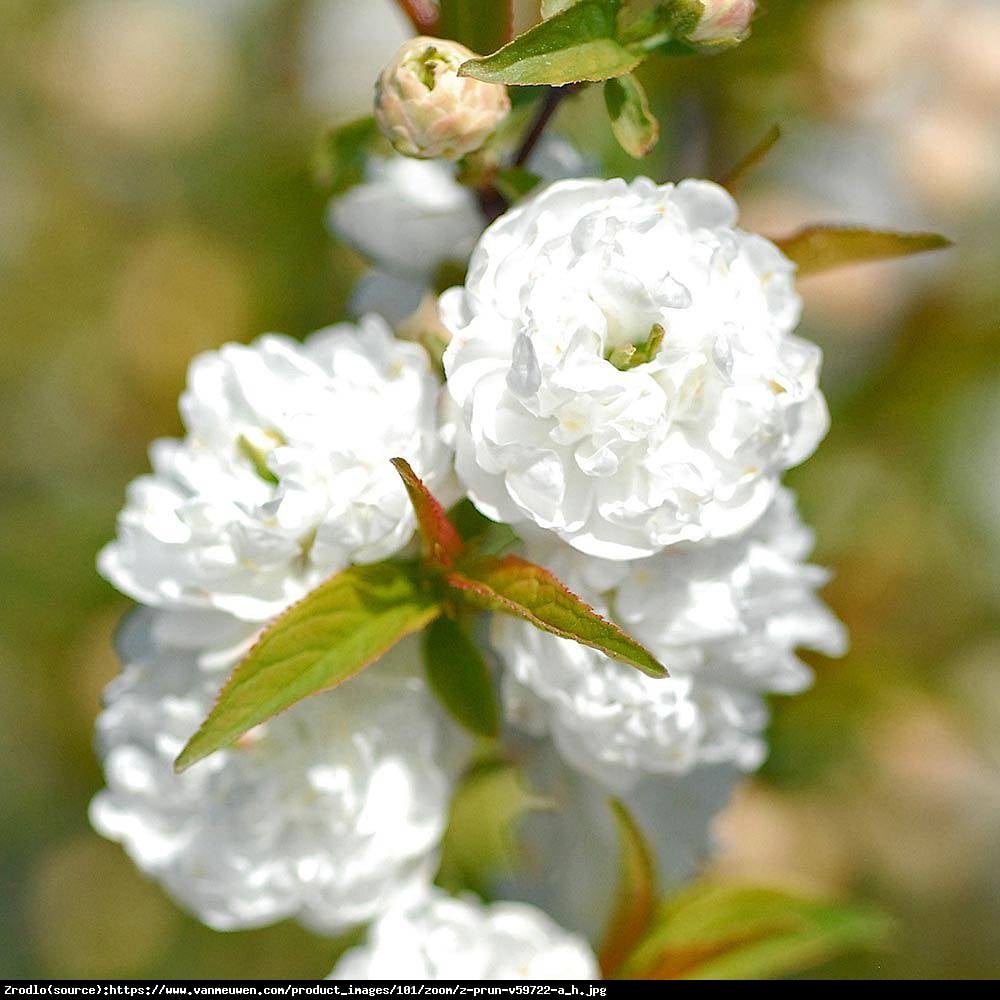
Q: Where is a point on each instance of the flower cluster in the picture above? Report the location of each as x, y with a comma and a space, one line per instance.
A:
333, 810
624, 387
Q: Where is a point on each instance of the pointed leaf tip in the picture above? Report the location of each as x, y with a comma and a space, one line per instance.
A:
520, 588
333, 633
820, 248
442, 542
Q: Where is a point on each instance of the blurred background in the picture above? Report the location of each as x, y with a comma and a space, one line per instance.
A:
157, 198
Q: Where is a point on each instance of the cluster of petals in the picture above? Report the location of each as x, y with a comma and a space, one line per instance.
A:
725, 618
331, 812
284, 476
623, 359
440, 937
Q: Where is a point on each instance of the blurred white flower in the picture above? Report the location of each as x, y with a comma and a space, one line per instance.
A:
724, 617
425, 109
562, 429
409, 217
329, 812
444, 938
284, 476
570, 851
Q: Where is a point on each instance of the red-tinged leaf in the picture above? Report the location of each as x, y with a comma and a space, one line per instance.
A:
520, 588
332, 634
442, 543
752, 160
713, 931
636, 902
820, 248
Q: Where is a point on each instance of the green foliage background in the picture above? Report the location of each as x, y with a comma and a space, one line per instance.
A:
156, 199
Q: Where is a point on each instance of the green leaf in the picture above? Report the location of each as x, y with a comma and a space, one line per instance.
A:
740, 932
515, 182
459, 676
482, 25
636, 900
520, 588
483, 536
736, 176
442, 543
257, 456
820, 248
577, 44
332, 634
343, 153
633, 124
479, 840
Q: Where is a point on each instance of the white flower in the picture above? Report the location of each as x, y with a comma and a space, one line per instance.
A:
446, 938
425, 109
330, 812
570, 851
621, 463
724, 617
284, 476
410, 217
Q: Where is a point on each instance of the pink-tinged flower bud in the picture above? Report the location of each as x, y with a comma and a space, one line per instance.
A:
427, 110
725, 22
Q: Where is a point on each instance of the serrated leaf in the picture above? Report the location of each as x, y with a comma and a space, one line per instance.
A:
517, 587
479, 841
752, 160
740, 932
481, 25
636, 897
332, 634
820, 248
577, 44
483, 536
459, 676
515, 182
441, 541
633, 124
343, 153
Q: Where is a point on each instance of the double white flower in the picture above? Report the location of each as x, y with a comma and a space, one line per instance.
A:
333, 810
330, 812
284, 476
445, 938
564, 425
725, 617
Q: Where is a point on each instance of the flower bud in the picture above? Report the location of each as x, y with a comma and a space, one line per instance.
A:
427, 110
725, 22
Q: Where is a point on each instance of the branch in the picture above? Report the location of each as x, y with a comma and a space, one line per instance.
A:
553, 98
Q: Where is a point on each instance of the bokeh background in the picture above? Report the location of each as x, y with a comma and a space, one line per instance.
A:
157, 198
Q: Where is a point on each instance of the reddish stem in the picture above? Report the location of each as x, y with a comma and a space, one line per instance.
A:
423, 15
